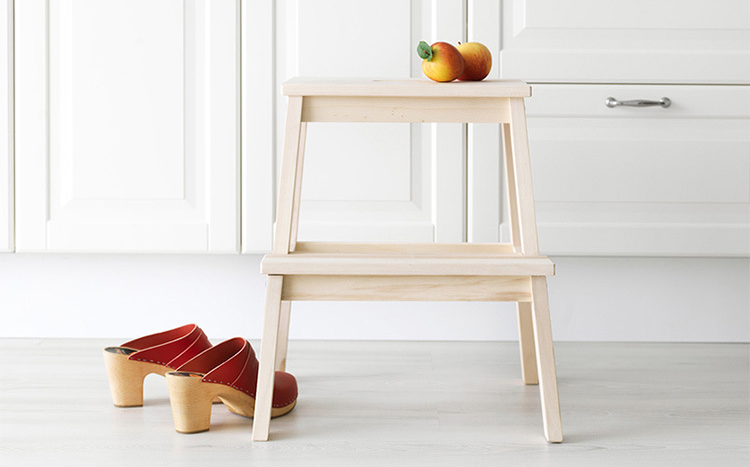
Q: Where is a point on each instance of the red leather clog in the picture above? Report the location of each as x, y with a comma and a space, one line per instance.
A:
128, 364
228, 371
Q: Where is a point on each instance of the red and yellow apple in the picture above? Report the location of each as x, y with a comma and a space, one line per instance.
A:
477, 61
440, 61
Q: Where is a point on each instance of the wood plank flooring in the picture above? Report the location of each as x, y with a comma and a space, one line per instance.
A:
396, 404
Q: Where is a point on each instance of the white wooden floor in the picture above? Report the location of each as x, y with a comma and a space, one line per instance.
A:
397, 404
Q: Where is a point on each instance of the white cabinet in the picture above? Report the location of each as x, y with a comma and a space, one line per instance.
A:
127, 125
623, 181
386, 182
129, 116
638, 41
6, 126
642, 181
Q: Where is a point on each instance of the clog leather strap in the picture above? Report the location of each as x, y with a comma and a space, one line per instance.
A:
170, 348
233, 363
239, 370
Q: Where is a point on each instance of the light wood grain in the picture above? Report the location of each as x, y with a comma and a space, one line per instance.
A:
407, 288
529, 372
126, 378
545, 360
191, 401
510, 187
331, 272
283, 340
264, 391
406, 109
405, 248
289, 165
524, 199
298, 187
401, 265
403, 88
525, 325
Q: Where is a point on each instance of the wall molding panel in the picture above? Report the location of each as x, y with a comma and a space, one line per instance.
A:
127, 132
7, 188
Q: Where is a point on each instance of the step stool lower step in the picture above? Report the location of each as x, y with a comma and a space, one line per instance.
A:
431, 264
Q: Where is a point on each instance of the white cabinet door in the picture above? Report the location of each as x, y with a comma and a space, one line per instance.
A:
648, 41
127, 125
624, 181
6, 125
367, 182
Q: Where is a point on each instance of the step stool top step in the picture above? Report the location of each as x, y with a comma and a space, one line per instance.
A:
412, 87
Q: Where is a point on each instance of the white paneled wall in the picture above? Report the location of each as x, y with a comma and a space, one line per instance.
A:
385, 182
640, 180
128, 132
6, 126
127, 125
258, 117
127, 138
595, 299
639, 41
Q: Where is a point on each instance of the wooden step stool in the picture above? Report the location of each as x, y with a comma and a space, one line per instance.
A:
349, 271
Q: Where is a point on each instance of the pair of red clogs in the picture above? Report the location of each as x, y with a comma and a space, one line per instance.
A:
198, 374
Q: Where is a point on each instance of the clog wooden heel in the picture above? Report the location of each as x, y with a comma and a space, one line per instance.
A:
126, 377
229, 372
127, 365
191, 401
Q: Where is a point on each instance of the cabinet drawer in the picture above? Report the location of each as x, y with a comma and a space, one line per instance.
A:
650, 41
645, 180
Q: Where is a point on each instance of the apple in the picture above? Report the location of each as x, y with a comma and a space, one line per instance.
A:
440, 61
477, 60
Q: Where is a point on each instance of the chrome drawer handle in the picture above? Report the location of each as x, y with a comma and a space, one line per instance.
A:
611, 102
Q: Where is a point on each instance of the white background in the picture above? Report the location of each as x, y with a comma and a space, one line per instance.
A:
591, 299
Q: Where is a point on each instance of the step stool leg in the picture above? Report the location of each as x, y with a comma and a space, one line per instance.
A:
525, 327
291, 177
266, 373
526, 343
286, 305
545, 356
524, 199
283, 341
298, 186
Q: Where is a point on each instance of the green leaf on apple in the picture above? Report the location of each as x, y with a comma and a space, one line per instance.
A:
425, 51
